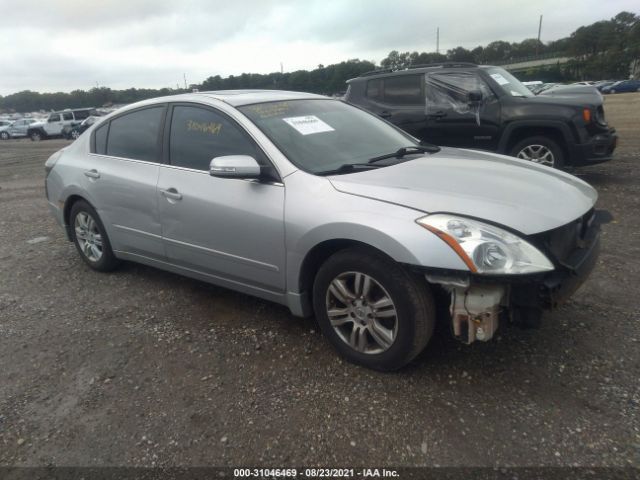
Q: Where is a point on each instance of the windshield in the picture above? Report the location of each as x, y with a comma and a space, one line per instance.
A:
508, 83
323, 135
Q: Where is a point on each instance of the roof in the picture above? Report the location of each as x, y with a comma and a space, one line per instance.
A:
418, 69
238, 98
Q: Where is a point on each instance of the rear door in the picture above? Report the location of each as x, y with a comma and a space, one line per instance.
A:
122, 178
400, 100
223, 227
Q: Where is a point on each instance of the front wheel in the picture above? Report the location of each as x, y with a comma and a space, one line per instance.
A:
74, 134
36, 136
4, 135
541, 150
373, 311
90, 238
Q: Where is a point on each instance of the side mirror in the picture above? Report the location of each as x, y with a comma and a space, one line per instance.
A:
474, 96
235, 166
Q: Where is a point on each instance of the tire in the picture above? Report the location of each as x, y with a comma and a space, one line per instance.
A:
5, 135
90, 238
382, 338
36, 136
73, 135
612, 90
548, 151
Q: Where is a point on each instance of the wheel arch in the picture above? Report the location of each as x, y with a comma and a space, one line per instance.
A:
516, 132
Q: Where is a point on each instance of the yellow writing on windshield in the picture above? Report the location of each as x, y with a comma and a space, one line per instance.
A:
212, 128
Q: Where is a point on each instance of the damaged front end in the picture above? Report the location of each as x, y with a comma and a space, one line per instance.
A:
477, 302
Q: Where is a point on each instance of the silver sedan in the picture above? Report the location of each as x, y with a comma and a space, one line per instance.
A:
318, 205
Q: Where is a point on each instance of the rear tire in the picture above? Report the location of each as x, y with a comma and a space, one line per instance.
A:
374, 312
541, 150
90, 237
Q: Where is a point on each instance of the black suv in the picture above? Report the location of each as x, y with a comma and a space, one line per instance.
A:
485, 107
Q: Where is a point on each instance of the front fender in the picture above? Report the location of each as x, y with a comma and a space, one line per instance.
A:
315, 212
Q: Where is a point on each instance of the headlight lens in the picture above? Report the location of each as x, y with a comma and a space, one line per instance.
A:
485, 248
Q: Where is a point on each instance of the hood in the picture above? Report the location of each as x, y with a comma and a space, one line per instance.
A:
568, 97
515, 193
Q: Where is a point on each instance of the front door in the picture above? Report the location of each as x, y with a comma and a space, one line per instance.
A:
54, 124
227, 228
452, 120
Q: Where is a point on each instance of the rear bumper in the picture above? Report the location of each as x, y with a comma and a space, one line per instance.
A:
599, 148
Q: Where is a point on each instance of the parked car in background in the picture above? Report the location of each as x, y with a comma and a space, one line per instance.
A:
318, 205
56, 121
604, 83
16, 129
71, 132
485, 107
623, 86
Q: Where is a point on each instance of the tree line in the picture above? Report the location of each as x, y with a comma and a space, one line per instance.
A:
604, 49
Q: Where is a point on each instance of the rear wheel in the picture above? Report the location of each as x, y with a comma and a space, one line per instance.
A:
372, 310
4, 135
541, 150
90, 237
74, 134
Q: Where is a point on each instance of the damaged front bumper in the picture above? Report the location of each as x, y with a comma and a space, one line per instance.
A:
478, 302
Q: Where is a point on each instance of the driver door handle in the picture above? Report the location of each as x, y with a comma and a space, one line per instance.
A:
171, 193
385, 114
93, 173
438, 114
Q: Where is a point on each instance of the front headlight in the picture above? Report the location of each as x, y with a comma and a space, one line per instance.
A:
485, 248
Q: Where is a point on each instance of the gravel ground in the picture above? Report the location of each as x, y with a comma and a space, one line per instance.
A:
145, 368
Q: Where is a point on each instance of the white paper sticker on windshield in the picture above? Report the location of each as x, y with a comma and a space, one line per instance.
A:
308, 124
499, 78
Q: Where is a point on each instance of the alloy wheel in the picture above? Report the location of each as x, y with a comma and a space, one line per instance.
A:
537, 154
88, 236
75, 134
362, 312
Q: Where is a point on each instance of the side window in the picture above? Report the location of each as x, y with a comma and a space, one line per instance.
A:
101, 139
54, 118
404, 90
67, 116
81, 114
374, 89
135, 135
450, 91
198, 135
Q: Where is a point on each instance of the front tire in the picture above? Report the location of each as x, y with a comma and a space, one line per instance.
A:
36, 136
4, 135
90, 237
541, 150
374, 312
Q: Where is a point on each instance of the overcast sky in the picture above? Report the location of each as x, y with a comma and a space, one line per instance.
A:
62, 45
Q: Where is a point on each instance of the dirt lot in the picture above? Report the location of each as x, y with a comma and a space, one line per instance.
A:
142, 367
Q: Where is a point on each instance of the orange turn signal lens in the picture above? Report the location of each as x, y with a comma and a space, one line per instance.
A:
449, 240
586, 115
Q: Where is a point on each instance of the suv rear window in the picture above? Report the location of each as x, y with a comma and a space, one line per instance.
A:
81, 114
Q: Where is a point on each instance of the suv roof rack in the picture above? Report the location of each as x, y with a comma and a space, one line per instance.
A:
443, 64
375, 72
420, 65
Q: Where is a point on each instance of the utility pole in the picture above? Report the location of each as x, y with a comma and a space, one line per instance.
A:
184, 75
539, 31
281, 68
438, 40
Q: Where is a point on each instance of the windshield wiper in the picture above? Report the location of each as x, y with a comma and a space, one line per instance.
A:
348, 168
401, 152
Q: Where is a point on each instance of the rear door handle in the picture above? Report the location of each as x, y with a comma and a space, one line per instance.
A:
92, 173
385, 114
171, 193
